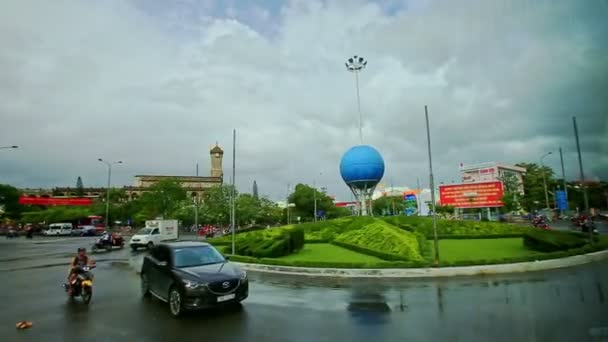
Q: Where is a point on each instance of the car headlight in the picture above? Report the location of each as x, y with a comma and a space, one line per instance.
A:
189, 284
244, 275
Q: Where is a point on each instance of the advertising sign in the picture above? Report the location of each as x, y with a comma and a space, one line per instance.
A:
562, 202
473, 195
55, 201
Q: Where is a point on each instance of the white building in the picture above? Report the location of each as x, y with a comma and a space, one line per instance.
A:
491, 172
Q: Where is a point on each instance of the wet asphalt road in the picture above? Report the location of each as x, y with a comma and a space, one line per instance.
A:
563, 305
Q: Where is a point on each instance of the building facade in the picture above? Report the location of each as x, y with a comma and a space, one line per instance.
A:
194, 185
491, 172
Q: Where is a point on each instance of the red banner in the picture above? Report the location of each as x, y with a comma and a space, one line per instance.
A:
473, 195
55, 201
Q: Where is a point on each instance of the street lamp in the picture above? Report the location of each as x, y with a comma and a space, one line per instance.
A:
355, 65
314, 196
545, 178
3, 147
109, 164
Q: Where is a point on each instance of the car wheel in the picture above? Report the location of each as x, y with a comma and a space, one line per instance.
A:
175, 302
150, 245
145, 285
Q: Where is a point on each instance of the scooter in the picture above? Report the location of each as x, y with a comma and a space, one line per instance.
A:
117, 241
539, 222
82, 285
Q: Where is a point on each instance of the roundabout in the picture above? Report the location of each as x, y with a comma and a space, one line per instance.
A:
568, 304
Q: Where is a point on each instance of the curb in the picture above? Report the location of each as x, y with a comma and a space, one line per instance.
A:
429, 272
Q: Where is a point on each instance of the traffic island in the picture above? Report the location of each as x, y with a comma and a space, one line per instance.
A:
401, 247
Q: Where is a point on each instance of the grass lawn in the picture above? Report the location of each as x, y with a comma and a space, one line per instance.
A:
481, 249
329, 253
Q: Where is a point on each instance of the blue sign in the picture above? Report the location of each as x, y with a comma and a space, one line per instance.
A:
320, 213
562, 201
410, 197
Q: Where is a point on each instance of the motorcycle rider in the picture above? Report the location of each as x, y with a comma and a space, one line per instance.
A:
107, 238
81, 259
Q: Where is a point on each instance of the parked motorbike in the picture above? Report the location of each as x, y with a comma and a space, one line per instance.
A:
82, 285
117, 241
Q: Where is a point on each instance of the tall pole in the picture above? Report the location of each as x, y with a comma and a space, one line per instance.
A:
109, 165
432, 181
314, 196
355, 65
542, 169
196, 169
108, 196
418, 195
359, 108
232, 210
580, 164
196, 212
287, 203
565, 188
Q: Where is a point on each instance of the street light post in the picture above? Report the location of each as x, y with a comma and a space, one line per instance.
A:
432, 184
314, 196
542, 169
109, 164
355, 65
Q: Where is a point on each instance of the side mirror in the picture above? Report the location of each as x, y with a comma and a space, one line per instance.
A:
162, 263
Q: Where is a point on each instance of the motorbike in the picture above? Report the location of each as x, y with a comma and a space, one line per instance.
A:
539, 222
82, 285
117, 241
11, 234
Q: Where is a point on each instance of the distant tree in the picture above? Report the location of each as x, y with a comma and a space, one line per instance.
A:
79, 187
511, 195
255, 190
163, 198
304, 198
9, 202
534, 192
388, 205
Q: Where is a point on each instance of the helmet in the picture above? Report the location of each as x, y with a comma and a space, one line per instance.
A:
82, 249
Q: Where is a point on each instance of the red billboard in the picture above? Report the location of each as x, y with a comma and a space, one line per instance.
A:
55, 201
472, 195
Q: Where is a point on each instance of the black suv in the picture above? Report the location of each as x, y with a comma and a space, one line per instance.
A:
192, 275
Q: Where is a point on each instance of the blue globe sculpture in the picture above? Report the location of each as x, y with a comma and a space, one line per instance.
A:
362, 167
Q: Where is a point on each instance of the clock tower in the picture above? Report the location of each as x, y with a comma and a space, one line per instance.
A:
217, 154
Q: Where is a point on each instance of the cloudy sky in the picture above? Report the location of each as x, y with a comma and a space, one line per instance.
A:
155, 83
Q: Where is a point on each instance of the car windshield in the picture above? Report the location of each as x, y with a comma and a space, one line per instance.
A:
145, 231
196, 256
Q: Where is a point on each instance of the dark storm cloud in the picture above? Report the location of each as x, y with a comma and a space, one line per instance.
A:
156, 83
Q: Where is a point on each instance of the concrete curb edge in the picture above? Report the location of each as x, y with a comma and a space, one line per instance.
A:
530, 266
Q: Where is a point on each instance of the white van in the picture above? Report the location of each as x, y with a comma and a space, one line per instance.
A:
155, 232
59, 229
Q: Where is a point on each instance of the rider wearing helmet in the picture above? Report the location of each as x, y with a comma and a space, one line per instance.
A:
81, 259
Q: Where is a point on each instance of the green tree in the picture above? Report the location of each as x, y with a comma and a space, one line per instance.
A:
79, 187
304, 199
534, 192
162, 199
216, 205
387, 205
511, 195
9, 202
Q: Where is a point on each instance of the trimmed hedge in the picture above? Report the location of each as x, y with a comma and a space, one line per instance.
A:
603, 244
424, 225
553, 241
367, 251
383, 238
473, 237
289, 241
316, 241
